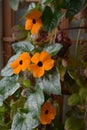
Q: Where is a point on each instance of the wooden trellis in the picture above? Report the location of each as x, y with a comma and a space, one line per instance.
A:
8, 22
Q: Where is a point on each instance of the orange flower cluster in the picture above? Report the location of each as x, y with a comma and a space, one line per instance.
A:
47, 114
37, 64
33, 21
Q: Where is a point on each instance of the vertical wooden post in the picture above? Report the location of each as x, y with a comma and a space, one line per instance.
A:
1, 26
8, 22
60, 100
65, 24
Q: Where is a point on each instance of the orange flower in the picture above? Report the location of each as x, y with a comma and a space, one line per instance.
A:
21, 63
41, 62
47, 114
33, 21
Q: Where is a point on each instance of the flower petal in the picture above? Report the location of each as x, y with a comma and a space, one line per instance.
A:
35, 58
48, 64
25, 65
44, 56
14, 64
45, 120
17, 70
28, 24
24, 56
52, 113
36, 27
34, 14
37, 71
47, 61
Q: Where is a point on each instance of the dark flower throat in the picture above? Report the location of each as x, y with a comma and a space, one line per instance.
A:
39, 63
46, 112
21, 62
34, 21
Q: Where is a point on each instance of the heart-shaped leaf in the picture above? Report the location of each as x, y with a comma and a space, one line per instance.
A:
35, 100
22, 46
51, 83
73, 123
8, 86
53, 49
50, 19
7, 71
24, 122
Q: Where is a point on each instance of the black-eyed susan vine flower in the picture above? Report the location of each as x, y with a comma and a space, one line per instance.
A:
33, 21
40, 62
47, 114
21, 64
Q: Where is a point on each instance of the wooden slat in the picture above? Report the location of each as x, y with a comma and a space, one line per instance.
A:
8, 21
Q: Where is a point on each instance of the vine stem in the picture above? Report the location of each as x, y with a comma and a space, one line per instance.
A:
6, 103
78, 36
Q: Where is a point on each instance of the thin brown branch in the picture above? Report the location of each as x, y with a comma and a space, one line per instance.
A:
72, 28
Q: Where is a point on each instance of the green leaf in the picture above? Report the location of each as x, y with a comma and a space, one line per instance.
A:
56, 121
56, 18
20, 32
26, 83
23, 46
51, 19
55, 2
53, 49
3, 128
15, 106
7, 71
2, 109
62, 70
47, 17
73, 123
35, 100
8, 86
83, 94
48, 1
51, 83
73, 7
74, 99
24, 122
14, 4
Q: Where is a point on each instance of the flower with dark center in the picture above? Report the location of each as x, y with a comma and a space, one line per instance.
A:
47, 114
21, 64
41, 62
33, 21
